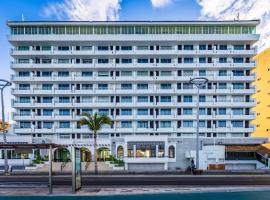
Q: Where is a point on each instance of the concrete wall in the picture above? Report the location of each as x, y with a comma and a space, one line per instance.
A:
145, 166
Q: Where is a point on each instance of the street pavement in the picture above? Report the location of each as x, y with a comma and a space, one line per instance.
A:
137, 180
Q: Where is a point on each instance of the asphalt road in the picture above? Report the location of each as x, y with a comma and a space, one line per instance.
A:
139, 180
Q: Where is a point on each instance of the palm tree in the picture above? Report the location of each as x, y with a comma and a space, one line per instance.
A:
95, 123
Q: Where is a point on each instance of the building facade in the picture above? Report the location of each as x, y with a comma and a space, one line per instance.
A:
262, 96
137, 73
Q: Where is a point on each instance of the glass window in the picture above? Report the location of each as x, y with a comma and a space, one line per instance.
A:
126, 124
48, 125
47, 112
103, 111
222, 123
64, 112
165, 111
126, 111
187, 111
222, 111
165, 124
142, 111
87, 74
237, 124
187, 123
64, 124
142, 99
142, 86
165, 99
142, 124
165, 86
142, 73
126, 99
237, 111
142, 60
126, 86
187, 98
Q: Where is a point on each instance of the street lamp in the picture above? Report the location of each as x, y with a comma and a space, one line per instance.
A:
3, 84
199, 82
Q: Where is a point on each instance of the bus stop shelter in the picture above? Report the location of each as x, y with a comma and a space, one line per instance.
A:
26, 146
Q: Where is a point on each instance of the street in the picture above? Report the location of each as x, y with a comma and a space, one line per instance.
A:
136, 180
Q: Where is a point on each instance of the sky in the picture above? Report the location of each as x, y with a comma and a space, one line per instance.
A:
113, 10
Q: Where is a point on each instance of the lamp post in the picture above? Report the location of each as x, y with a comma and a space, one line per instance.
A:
200, 83
3, 84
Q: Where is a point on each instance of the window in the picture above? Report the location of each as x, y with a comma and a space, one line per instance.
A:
238, 47
165, 60
165, 124
25, 124
222, 60
237, 124
165, 73
222, 86
165, 99
64, 112
126, 73
222, 111
47, 99
126, 48
142, 73
238, 72
237, 111
238, 86
103, 61
46, 74
202, 47
187, 111
165, 111
63, 48
165, 86
103, 111
87, 110
187, 98
222, 47
24, 86
47, 112
142, 124
126, 86
202, 73
142, 60
63, 74
142, 111
48, 125
64, 124
202, 124
126, 60
202, 60
63, 86
187, 123
222, 124
202, 111
187, 86
103, 48
126, 111
103, 86
47, 86
25, 112
64, 100
87, 74
188, 60
142, 86
238, 60
103, 74
188, 47
142, 99
202, 98
87, 61
126, 124
24, 74
126, 99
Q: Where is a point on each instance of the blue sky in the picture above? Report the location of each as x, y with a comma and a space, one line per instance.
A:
126, 10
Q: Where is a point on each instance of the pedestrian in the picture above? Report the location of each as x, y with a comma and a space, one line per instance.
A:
192, 167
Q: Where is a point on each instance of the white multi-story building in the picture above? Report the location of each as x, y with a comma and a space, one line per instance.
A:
138, 74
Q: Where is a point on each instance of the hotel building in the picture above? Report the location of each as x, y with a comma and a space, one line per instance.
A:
137, 73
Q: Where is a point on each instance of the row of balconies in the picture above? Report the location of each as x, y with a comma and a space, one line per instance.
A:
15, 52
251, 116
15, 65
114, 91
17, 78
98, 104
251, 128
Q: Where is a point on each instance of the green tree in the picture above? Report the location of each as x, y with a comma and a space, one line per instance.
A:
94, 122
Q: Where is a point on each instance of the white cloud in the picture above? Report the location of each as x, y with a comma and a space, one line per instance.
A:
89, 10
247, 9
160, 3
